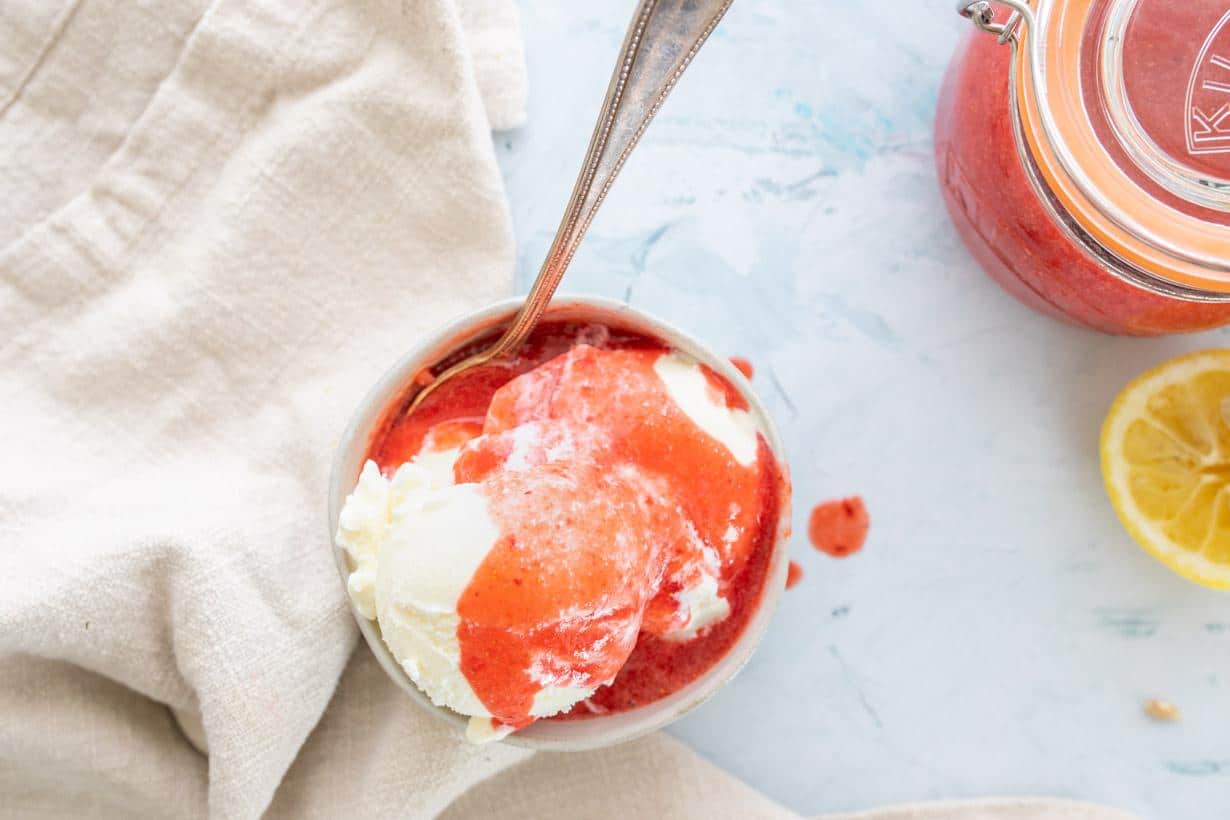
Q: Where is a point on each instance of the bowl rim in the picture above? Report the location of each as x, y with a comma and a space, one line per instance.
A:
600, 731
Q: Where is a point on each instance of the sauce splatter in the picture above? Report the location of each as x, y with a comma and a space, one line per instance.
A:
793, 575
839, 528
743, 366
722, 390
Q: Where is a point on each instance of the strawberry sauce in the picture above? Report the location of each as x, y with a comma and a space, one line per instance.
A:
610, 502
743, 366
658, 667
839, 528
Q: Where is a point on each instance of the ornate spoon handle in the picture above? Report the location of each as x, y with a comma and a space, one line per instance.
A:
662, 40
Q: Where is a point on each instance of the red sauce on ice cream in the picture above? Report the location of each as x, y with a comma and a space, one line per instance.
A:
607, 496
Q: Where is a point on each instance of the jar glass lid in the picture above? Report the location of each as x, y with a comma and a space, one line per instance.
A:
1125, 108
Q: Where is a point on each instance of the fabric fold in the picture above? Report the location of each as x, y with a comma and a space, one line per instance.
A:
303, 191
655, 776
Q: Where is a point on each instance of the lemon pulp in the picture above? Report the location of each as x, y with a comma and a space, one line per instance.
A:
1166, 464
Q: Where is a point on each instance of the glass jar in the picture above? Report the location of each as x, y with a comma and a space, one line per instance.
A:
1083, 148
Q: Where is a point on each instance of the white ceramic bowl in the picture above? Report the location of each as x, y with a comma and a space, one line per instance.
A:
608, 729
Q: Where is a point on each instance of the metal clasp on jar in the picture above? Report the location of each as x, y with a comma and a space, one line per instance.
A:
982, 14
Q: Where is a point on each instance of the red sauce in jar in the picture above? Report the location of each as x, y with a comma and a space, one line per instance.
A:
1006, 226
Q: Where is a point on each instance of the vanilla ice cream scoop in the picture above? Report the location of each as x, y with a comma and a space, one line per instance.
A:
530, 585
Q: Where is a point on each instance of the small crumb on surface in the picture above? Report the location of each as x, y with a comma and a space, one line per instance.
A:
1162, 710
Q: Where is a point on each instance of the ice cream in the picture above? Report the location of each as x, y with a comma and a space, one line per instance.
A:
514, 557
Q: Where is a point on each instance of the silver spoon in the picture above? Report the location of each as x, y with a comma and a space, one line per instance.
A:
661, 41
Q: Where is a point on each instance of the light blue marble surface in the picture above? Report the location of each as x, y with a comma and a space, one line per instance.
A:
1000, 632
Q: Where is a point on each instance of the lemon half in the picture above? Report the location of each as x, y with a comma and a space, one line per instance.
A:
1166, 464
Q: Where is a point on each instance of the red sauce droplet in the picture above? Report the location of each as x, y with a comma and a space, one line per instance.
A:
723, 391
743, 366
839, 528
793, 575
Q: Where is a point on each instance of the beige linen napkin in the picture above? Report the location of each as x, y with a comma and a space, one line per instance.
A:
220, 222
